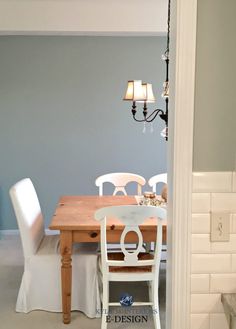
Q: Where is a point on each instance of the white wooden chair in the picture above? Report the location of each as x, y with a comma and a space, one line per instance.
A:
41, 282
120, 180
134, 265
155, 180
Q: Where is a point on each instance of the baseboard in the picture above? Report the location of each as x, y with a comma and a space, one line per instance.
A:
50, 232
9, 232
17, 232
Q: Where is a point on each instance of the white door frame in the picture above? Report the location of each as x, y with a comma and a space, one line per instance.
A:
182, 78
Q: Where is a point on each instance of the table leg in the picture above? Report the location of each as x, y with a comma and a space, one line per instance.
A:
66, 274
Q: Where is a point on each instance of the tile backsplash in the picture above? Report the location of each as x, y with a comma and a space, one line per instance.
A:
213, 267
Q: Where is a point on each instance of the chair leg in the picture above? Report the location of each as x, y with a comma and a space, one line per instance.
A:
156, 311
105, 301
150, 291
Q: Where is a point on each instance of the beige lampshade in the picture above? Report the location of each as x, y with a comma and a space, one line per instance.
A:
134, 91
148, 93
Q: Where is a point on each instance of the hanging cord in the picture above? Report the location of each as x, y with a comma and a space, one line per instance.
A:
166, 84
166, 56
168, 32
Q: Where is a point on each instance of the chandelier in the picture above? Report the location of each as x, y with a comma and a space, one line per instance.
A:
139, 92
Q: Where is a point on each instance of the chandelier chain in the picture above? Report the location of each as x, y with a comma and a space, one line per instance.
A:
168, 31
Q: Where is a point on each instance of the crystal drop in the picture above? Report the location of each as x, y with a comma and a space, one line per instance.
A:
144, 127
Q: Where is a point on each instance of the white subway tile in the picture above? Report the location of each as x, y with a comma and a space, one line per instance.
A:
201, 243
200, 321
200, 283
206, 303
234, 263
201, 202
201, 223
225, 247
234, 181
223, 283
212, 181
211, 263
218, 321
233, 224
223, 202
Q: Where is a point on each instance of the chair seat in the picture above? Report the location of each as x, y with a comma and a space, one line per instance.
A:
49, 245
130, 269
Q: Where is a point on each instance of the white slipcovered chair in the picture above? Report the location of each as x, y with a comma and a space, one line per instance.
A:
134, 265
40, 287
157, 179
120, 180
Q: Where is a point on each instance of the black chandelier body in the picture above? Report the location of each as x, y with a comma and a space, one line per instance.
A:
163, 114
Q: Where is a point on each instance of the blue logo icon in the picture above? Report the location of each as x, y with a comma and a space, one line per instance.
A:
126, 300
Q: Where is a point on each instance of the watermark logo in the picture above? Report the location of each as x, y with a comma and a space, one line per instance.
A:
127, 314
127, 319
126, 300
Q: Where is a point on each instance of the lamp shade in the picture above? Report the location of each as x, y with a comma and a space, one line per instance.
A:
148, 93
134, 91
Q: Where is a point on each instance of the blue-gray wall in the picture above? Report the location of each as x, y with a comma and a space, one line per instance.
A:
62, 118
215, 96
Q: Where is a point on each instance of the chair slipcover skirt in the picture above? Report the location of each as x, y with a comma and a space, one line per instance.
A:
44, 270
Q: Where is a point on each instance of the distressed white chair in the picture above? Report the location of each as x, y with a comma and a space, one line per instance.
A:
134, 265
155, 180
120, 180
41, 282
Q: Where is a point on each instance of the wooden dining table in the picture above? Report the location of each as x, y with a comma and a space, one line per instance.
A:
74, 218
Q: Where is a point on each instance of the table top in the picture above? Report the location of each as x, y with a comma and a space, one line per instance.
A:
77, 212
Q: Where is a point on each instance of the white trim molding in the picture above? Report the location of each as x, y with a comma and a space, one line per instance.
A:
9, 232
87, 33
17, 232
182, 78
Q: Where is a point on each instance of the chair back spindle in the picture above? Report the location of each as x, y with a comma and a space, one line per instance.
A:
132, 217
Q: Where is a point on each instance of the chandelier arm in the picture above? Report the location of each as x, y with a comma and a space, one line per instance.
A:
138, 120
153, 115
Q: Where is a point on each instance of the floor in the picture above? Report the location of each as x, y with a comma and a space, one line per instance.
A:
11, 269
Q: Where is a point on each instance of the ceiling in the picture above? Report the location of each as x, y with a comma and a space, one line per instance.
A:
83, 17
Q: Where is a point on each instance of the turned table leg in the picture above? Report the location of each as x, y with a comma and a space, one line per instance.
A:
66, 274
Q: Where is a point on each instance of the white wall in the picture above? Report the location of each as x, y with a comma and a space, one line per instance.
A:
83, 16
